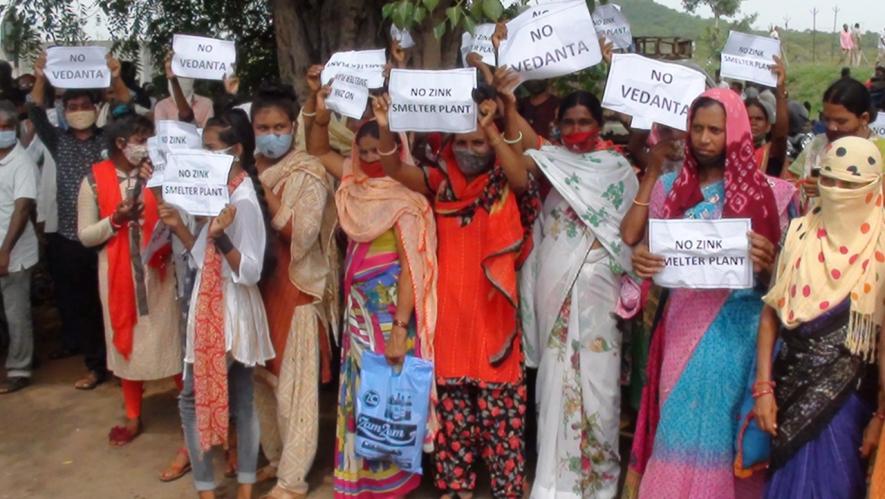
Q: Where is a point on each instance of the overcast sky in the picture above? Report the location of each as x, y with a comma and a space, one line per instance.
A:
869, 13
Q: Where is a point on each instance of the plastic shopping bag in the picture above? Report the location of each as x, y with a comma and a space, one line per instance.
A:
391, 410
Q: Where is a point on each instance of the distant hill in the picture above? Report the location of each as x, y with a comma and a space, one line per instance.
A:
648, 18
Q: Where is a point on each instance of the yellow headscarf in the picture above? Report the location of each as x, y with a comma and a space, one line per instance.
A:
837, 250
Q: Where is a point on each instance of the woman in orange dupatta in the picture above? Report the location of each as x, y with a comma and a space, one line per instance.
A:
389, 290
138, 300
483, 200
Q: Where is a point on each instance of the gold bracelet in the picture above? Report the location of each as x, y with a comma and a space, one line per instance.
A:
640, 203
517, 140
308, 115
390, 152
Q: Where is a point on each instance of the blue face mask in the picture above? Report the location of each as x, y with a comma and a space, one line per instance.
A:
7, 139
273, 146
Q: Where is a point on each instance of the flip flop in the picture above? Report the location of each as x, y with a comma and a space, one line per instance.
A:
120, 435
177, 472
90, 381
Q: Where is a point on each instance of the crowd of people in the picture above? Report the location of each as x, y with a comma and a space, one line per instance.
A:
514, 257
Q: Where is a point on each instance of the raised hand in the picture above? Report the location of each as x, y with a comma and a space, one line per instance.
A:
114, 66
487, 110
506, 80
167, 66
314, 84
779, 70
608, 48
381, 109
499, 35
232, 84
40, 65
398, 55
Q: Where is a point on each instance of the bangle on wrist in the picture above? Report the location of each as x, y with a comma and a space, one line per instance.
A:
224, 244
390, 152
767, 391
642, 204
399, 323
517, 140
308, 115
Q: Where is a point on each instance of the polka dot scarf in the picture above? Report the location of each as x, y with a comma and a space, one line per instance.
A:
837, 250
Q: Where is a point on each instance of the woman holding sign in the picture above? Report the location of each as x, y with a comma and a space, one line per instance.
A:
227, 332
301, 298
826, 305
708, 336
569, 289
138, 299
484, 201
389, 289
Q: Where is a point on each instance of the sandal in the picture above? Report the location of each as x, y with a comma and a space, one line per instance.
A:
278, 492
90, 381
268, 472
173, 472
121, 435
14, 384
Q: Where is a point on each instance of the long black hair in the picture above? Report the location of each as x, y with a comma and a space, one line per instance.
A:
234, 128
850, 94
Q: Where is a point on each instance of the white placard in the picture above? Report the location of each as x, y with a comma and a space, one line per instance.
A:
749, 58
172, 134
610, 22
366, 63
480, 42
196, 181
702, 254
78, 67
432, 101
878, 126
651, 90
202, 58
402, 36
158, 162
550, 41
348, 95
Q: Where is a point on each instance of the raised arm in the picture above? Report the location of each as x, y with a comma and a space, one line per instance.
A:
36, 110
519, 134
511, 162
121, 91
781, 129
318, 140
635, 221
185, 113
408, 175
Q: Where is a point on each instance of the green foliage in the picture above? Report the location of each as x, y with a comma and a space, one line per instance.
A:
57, 21
720, 8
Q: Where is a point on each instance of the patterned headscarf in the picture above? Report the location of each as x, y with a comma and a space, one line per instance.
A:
747, 193
837, 250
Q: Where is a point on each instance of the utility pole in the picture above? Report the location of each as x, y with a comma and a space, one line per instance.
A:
786, 22
835, 32
814, 12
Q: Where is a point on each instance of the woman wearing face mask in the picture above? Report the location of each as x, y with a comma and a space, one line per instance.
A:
183, 104
569, 288
301, 298
827, 304
847, 112
138, 300
703, 348
390, 290
485, 203
227, 334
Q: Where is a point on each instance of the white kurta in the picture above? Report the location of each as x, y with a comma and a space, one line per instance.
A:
247, 338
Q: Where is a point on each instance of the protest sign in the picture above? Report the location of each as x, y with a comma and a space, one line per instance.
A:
77, 67
173, 134
480, 42
368, 64
749, 58
702, 254
196, 181
158, 161
401, 36
432, 101
878, 126
610, 22
550, 41
348, 95
651, 90
202, 58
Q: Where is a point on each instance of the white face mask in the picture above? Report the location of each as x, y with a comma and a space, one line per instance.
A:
135, 153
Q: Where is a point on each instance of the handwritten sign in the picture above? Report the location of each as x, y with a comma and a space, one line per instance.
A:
173, 134
878, 126
651, 90
348, 95
401, 36
702, 254
78, 67
196, 181
550, 41
366, 63
202, 58
480, 42
432, 101
158, 161
749, 58
610, 22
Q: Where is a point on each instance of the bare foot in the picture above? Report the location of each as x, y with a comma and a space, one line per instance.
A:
266, 473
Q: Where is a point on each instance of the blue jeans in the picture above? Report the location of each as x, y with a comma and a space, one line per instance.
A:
242, 407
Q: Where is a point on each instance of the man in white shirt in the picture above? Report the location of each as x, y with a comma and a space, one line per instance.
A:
18, 248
